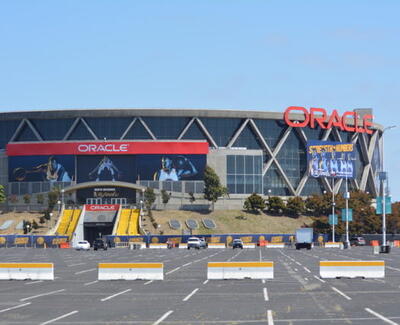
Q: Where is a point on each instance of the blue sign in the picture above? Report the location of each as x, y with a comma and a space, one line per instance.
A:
350, 214
331, 159
379, 205
333, 219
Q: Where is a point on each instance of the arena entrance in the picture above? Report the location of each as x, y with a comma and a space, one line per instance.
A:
99, 220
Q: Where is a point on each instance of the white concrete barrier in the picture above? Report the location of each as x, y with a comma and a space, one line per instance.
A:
158, 246
183, 245
240, 270
351, 269
26, 271
249, 245
137, 245
131, 271
216, 245
275, 245
333, 245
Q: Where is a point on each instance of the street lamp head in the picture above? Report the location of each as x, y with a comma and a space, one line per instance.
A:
389, 128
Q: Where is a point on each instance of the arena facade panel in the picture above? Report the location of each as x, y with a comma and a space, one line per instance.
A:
251, 151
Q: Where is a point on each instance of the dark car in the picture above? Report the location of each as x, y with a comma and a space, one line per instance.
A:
237, 243
357, 241
99, 244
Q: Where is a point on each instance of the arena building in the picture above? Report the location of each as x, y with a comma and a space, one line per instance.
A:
109, 156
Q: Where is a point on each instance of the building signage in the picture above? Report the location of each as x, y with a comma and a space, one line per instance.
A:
101, 207
349, 121
107, 148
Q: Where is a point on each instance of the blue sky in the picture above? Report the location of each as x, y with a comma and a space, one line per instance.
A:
245, 55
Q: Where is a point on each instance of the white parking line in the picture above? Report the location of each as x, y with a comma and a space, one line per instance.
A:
265, 294
60, 317
186, 264
393, 268
75, 264
205, 282
163, 317
41, 295
341, 293
40, 281
172, 271
148, 282
263, 280
89, 283
297, 263
190, 295
115, 295
270, 318
323, 281
387, 320
306, 269
15, 307
85, 271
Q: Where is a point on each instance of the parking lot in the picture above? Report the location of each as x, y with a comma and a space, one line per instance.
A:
296, 295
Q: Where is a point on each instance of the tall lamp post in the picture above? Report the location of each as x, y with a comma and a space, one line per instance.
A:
383, 178
333, 209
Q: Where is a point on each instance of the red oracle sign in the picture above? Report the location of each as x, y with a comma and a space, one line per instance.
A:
107, 148
318, 116
101, 207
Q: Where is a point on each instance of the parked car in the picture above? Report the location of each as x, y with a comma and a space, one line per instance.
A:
197, 243
99, 243
357, 241
237, 243
83, 245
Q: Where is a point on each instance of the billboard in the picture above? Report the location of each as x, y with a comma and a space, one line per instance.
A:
41, 168
331, 159
170, 167
106, 168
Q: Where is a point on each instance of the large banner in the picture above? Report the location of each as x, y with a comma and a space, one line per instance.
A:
331, 159
170, 167
41, 168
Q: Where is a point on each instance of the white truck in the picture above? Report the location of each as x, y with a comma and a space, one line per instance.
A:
304, 238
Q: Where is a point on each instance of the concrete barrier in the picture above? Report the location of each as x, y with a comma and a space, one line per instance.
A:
216, 245
137, 245
183, 245
131, 271
275, 245
333, 245
26, 271
249, 245
158, 246
351, 269
240, 270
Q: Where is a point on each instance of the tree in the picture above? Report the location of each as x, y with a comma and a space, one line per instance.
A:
295, 206
192, 199
42, 220
2, 194
275, 205
213, 189
149, 198
53, 197
318, 205
35, 225
165, 197
40, 198
254, 203
27, 198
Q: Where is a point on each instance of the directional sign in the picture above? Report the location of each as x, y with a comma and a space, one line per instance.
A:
333, 219
350, 214
388, 205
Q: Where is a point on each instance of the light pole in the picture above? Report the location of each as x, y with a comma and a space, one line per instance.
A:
383, 178
347, 197
333, 209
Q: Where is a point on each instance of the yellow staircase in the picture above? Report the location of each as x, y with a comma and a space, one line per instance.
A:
133, 229
73, 223
65, 220
122, 228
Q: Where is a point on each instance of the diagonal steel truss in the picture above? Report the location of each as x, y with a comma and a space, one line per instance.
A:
367, 148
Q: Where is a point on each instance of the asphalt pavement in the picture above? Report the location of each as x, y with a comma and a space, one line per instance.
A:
296, 295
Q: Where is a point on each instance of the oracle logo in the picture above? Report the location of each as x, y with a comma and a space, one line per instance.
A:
318, 116
103, 147
102, 207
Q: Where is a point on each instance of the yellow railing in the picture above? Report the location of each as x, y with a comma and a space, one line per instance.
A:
122, 228
73, 223
65, 220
